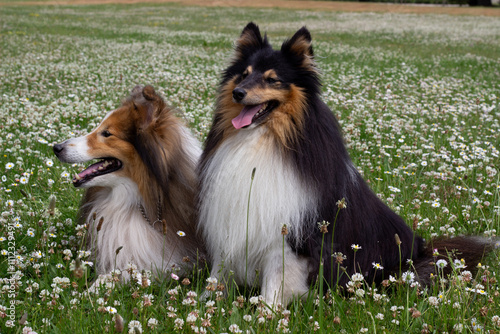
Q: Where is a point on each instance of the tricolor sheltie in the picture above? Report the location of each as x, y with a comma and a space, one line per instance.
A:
140, 194
269, 116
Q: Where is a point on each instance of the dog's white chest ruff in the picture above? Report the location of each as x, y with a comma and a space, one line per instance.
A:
277, 197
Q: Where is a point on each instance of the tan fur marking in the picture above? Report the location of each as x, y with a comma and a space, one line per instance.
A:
287, 120
248, 71
227, 109
247, 39
301, 46
270, 74
259, 95
115, 145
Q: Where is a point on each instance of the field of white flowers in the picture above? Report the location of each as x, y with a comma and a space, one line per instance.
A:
418, 97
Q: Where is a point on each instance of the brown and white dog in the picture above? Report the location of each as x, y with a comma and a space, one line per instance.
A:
140, 194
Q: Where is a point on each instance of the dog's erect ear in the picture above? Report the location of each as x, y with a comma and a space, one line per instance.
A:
250, 41
299, 45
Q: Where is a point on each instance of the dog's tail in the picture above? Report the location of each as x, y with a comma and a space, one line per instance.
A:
462, 252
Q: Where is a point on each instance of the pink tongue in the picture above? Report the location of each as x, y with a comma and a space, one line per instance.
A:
91, 169
245, 117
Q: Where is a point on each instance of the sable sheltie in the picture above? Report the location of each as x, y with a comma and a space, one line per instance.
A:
269, 116
140, 194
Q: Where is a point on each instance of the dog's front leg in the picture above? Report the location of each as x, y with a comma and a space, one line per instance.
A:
283, 280
218, 277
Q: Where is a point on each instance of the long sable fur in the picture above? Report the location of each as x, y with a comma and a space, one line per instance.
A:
165, 177
320, 159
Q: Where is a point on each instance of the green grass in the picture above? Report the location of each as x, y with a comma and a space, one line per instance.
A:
418, 99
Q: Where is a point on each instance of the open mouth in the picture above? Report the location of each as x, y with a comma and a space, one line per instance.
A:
252, 114
105, 166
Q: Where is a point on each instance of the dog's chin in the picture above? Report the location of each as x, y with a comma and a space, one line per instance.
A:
98, 174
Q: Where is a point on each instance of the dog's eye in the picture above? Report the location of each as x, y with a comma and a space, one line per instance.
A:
244, 75
106, 133
271, 80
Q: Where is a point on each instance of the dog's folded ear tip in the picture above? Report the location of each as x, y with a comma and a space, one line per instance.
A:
149, 92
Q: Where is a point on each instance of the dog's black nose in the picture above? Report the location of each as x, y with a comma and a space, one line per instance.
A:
239, 94
58, 148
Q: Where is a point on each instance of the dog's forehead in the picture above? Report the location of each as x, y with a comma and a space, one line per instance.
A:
266, 59
120, 114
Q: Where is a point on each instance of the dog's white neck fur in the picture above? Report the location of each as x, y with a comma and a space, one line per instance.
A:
277, 197
124, 226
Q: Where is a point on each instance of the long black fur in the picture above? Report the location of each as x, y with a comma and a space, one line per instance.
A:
322, 161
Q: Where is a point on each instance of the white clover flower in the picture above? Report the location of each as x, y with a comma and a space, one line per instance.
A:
434, 301
211, 280
191, 318
234, 328
134, 327
191, 294
152, 323
357, 277
254, 300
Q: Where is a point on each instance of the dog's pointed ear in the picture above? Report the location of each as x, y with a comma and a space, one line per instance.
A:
250, 41
299, 45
